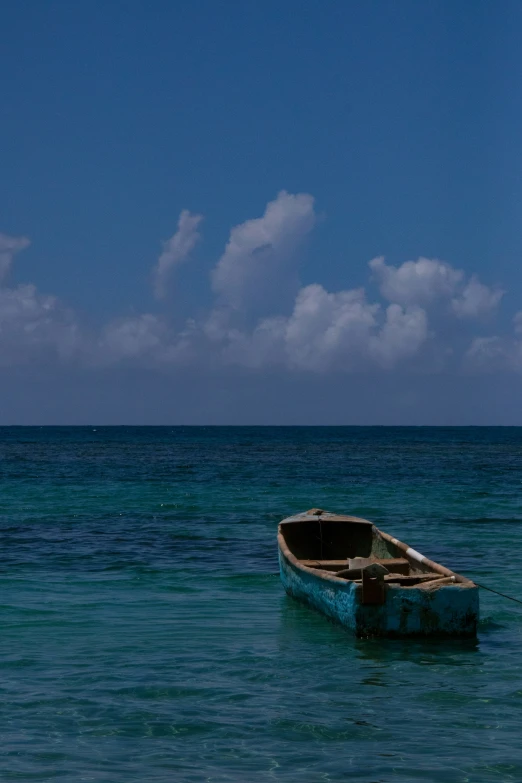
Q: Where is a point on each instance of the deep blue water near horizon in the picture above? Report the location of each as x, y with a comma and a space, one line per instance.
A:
146, 635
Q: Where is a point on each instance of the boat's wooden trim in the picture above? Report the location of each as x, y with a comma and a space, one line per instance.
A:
415, 558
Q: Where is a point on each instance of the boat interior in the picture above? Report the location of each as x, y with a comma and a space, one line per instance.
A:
352, 549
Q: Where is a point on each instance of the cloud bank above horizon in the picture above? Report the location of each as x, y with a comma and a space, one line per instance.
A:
424, 316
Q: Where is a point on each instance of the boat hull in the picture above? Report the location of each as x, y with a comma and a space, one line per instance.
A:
450, 611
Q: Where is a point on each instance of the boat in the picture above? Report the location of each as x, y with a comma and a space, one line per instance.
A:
370, 582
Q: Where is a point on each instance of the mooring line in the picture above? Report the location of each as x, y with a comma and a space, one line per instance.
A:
517, 600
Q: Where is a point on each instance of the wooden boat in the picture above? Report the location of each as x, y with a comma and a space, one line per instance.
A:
370, 582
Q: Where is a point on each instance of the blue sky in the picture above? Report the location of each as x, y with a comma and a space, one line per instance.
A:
348, 131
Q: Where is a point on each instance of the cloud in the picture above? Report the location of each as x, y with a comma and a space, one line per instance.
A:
176, 250
146, 340
261, 317
9, 246
328, 328
415, 282
426, 281
485, 352
132, 338
257, 270
476, 300
496, 353
402, 336
35, 326
331, 331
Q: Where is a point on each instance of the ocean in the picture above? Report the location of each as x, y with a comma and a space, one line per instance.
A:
146, 636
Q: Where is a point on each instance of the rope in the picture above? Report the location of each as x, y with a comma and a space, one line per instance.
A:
517, 600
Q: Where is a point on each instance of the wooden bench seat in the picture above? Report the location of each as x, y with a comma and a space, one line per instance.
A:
396, 565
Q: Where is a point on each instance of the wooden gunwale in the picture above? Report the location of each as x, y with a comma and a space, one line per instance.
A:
415, 557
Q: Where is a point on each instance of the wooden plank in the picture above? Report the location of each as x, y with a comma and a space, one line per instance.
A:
396, 565
411, 578
324, 563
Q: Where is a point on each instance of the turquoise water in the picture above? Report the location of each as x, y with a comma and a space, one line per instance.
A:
146, 636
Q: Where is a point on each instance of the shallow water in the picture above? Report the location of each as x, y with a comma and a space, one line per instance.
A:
146, 635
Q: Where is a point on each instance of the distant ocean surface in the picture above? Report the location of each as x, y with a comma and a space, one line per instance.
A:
145, 635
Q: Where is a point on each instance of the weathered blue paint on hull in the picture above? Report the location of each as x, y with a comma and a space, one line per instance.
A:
450, 610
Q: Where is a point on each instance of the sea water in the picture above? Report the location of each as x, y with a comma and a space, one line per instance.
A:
145, 635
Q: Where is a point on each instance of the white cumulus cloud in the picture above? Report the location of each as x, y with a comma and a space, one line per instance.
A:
331, 331
176, 250
258, 262
426, 281
261, 317
147, 340
35, 325
496, 352
415, 282
131, 338
402, 335
476, 300
326, 328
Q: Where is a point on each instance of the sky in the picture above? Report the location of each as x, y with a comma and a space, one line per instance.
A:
261, 213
